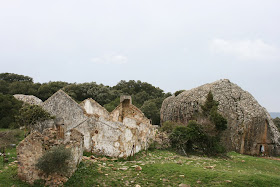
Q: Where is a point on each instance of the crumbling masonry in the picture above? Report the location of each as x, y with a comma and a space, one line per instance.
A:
85, 126
121, 133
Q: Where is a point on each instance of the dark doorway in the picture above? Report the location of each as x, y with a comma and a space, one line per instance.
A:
261, 149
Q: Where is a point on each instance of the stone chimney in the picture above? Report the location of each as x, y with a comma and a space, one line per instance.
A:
126, 100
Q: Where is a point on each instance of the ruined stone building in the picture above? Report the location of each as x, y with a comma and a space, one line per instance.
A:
85, 126
250, 127
121, 133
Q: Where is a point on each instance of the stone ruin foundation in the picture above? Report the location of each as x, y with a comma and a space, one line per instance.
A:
36, 144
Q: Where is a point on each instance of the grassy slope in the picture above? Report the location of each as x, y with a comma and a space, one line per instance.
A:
163, 168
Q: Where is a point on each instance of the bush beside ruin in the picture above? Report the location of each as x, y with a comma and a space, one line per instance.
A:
55, 160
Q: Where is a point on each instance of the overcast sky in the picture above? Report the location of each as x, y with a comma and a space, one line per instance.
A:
171, 44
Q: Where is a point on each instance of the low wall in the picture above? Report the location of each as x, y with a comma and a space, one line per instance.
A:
36, 144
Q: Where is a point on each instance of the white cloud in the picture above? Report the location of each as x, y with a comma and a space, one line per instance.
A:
110, 59
245, 49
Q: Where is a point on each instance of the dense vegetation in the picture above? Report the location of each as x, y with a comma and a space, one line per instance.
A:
201, 134
9, 109
29, 115
144, 95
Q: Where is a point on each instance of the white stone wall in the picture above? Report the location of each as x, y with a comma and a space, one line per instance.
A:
117, 139
92, 107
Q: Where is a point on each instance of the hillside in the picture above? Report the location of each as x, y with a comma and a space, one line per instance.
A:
163, 168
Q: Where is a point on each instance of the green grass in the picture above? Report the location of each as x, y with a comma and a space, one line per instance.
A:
163, 168
8, 171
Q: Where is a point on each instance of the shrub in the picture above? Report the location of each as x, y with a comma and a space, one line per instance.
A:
210, 110
192, 137
179, 138
219, 121
55, 160
213, 146
209, 104
29, 115
168, 126
178, 92
187, 137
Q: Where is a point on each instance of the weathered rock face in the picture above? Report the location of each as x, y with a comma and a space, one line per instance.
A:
30, 99
250, 127
36, 144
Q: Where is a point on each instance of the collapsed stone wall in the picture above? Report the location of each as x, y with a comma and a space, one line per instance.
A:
36, 144
249, 124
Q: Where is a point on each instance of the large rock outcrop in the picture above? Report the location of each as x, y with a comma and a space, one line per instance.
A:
250, 127
30, 99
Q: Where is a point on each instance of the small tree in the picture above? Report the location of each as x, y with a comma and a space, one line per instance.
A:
185, 138
29, 115
209, 104
180, 139
210, 110
219, 121
192, 137
168, 126
55, 160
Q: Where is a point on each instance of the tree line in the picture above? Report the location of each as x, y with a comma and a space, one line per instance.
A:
144, 95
